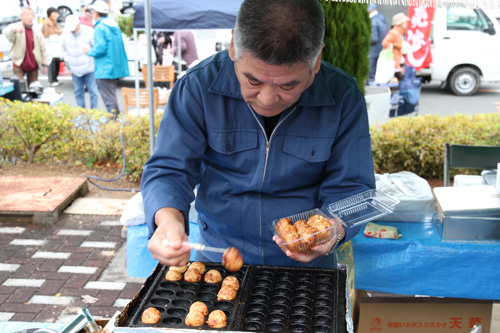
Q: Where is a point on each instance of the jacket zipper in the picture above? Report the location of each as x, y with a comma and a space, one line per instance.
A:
268, 146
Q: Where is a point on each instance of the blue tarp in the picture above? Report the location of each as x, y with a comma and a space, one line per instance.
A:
420, 263
188, 14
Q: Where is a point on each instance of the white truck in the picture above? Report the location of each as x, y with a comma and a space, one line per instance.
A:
465, 49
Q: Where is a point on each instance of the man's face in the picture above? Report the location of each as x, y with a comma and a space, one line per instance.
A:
271, 89
27, 17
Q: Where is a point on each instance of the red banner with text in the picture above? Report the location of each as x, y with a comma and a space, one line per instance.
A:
418, 35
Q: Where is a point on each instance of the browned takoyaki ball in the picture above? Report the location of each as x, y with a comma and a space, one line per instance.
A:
300, 223
173, 275
217, 319
199, 307
213, 276
231, 282
307, 237
192, 275
226, 294
151, 316
180, 269
199, 266
232, 260
194, 319
319, 222
281, 223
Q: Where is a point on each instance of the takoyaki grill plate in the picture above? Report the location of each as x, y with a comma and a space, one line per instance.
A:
270, 299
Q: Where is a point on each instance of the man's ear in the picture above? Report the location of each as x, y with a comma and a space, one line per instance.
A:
317, 64
231, 48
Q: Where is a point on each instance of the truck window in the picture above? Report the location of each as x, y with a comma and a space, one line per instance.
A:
465, 19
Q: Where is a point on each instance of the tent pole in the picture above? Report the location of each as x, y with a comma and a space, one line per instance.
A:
147, 22
136, 66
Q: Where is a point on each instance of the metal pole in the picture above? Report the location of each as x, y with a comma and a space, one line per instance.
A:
147, 21
136, 66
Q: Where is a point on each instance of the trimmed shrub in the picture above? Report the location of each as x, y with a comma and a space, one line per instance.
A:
416, 144
347, 38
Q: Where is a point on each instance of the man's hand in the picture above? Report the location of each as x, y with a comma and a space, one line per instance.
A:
20, 27
85, 49
44, 70
170, 226
316, 251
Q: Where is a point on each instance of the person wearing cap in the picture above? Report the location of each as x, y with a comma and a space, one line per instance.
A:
380, 28
50, 27
395, 39
111, 61
27, 49
75, 37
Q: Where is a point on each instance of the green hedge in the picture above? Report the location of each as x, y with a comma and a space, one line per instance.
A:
71, 136
416, 144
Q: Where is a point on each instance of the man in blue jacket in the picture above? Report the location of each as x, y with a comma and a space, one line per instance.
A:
111, 61
267, 130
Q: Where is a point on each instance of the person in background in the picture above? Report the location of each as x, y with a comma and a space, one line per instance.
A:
161, 41
380, 28
74, 38
51, 27
111, 61
189, 52
86, 18
28, 50
264, 130
395, 39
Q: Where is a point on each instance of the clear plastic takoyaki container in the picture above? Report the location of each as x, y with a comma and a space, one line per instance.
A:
362, 208
305, 243
353, 211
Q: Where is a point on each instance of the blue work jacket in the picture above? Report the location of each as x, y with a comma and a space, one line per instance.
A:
109, 52
318, 153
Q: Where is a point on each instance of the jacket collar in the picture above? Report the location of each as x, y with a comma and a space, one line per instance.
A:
226, 83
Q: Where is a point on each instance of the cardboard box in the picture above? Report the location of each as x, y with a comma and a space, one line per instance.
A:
381, 312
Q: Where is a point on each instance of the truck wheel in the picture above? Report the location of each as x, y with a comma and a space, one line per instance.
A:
464, 81
63, 13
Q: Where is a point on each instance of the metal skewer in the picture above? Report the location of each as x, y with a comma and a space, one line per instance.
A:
197, 246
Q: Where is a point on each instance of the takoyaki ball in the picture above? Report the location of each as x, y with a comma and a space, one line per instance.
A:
151, 316
307, 237
192, 275
173, 275
217, 319
199, 266
232, 260
213, 276
299, 224
195, 319
283, 222
226, 294
199, 307
180, 269
231, 282
319, 222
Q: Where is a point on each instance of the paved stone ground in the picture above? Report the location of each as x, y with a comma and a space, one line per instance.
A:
48, 273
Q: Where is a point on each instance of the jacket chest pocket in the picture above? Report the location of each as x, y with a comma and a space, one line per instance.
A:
309, 149
229, 142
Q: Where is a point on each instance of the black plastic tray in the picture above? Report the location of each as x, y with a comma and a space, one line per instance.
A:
270, 299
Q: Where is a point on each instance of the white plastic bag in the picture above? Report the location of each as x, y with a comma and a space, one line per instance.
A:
417, 203
133, 212
385, 66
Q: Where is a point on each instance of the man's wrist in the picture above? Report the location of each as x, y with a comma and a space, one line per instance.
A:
337, 241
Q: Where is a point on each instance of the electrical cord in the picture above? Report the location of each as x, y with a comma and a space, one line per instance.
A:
89, 178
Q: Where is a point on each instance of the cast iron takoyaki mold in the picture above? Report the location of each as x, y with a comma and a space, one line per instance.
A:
270, 299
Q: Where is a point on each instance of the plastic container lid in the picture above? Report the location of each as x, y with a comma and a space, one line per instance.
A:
362, 208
